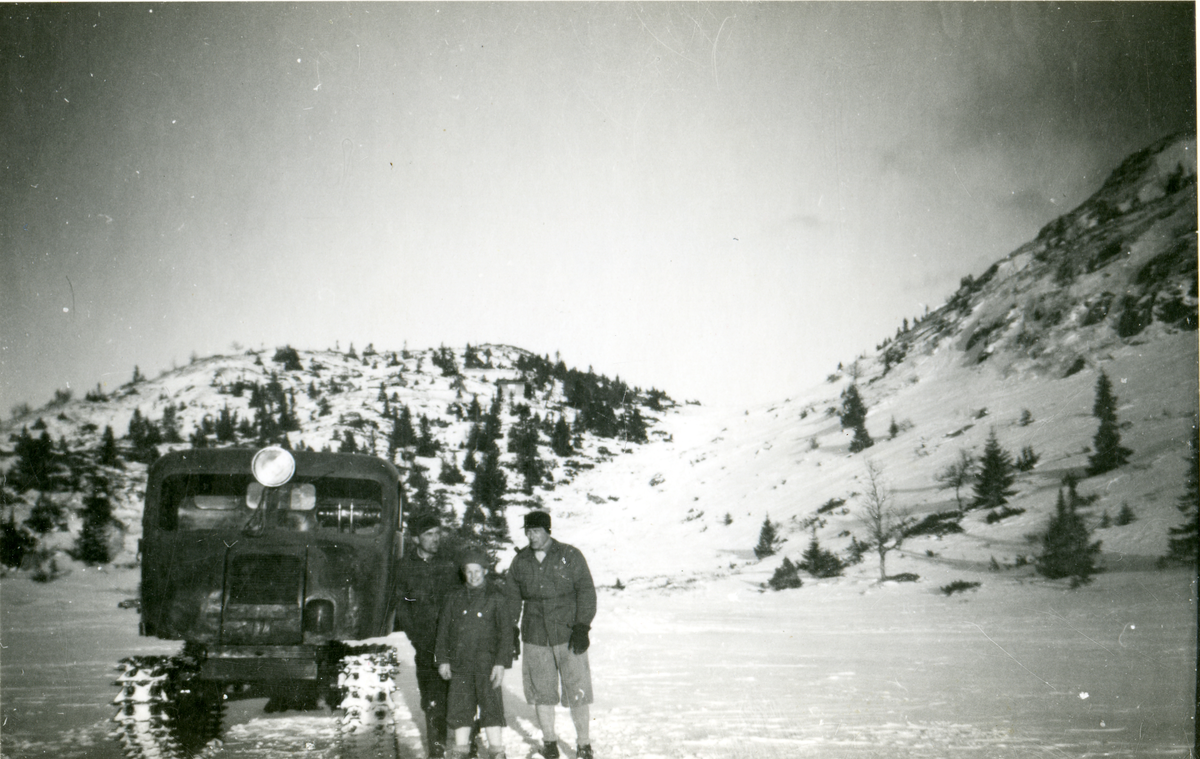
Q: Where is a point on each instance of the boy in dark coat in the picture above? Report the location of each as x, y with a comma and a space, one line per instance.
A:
474, 647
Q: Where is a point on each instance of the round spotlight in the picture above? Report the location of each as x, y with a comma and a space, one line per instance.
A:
273, 466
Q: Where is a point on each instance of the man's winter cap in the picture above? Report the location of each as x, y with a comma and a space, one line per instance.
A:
537, 519
474, 556
423, 524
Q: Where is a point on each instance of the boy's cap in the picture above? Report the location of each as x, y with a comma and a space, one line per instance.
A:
537, 519
474, 556
423, 524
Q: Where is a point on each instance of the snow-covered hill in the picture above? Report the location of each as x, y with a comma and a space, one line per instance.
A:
694, 659
1109, 286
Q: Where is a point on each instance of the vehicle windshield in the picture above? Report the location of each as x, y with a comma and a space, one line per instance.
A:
226, 501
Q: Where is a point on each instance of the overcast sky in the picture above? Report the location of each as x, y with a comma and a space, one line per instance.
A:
719, 200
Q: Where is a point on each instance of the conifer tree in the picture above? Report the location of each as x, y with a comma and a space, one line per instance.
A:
635, 425
36, 465
1185, 539
820, 562
15, 542
523, 441
403, 434
349, 444
46, 515
1066, 551
427, 445
560, 439
107, 455
226, 425
418, 485
91, 546
490, 482
993, 482
170, 425
1109, 453
450, 473
768, 539
854, 416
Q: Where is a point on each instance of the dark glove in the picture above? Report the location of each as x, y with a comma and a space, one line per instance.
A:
579, 639
516, 643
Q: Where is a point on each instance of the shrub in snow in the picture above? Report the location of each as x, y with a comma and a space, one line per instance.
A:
787, 575
958, 586
1005, 512
1125, 515
903, 577
941, 523
830, 505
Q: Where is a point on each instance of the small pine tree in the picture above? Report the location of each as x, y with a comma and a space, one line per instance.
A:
993, 485
37, 464
91, 546
427, 445
170, 425
1066, 551
46, 515
1027, 460
820, 562
450, 474
854, 416
1109, 453
418, 485
768, 539
560, 439
635, 426
1185, 538
349, 444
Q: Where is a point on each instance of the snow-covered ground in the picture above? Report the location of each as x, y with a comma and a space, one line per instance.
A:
838, 668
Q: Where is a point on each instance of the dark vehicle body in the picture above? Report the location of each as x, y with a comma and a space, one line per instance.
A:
264, 580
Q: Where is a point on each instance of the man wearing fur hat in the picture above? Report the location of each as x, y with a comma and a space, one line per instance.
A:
550, 590
427, 578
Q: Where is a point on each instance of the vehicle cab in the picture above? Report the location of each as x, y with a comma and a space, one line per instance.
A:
262, 558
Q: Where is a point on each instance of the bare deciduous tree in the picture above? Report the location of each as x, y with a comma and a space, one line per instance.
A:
885, 523
958, 475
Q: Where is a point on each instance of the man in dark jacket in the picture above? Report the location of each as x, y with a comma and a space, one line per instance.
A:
550, 590
426, 579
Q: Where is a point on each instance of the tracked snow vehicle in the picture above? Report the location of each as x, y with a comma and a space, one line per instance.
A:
265, 563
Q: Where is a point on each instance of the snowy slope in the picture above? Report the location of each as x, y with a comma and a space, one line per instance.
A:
693, 657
